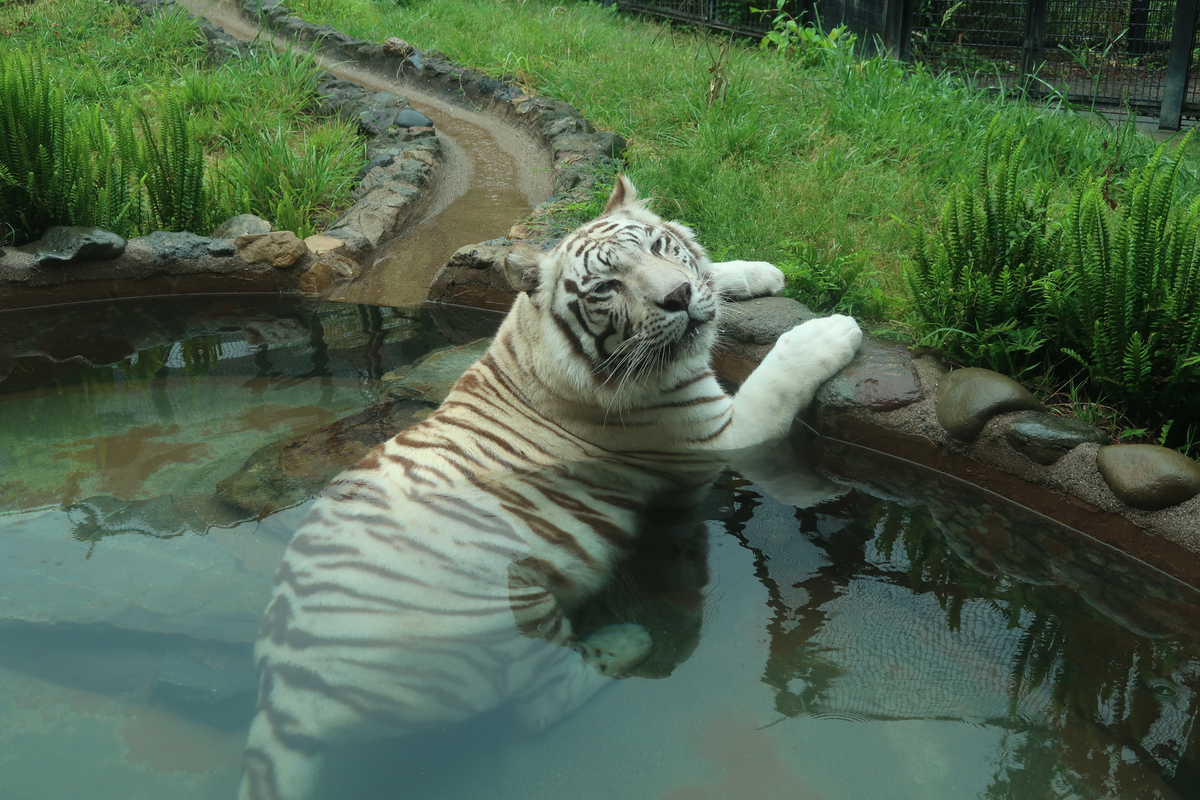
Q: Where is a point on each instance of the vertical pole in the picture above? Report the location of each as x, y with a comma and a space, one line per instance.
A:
1139, 22
897, 27
1033, 47
1179, 62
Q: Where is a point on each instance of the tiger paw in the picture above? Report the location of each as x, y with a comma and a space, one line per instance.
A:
741, 280
822, 346
615, 649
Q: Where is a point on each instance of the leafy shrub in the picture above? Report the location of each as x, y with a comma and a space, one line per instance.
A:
1129, 294
975, 282
805, 42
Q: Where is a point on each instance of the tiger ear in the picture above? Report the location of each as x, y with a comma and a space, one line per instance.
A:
523, 267
623, 194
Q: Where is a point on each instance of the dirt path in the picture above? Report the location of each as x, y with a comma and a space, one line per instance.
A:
493, 175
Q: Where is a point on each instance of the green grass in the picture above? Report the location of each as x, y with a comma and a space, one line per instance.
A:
842, 156
254, 117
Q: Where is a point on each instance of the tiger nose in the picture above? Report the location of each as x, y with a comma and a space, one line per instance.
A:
679, 299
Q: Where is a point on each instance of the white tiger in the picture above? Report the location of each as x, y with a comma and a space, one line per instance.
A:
433, 581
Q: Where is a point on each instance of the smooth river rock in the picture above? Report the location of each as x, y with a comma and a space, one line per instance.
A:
881, 377
968, 398
1045, 438
67, 245
241, 225
763, 319
1147, 476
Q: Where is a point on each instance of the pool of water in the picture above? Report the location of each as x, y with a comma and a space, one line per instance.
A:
862, 628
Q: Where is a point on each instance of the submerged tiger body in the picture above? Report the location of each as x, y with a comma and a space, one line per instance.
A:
435, 580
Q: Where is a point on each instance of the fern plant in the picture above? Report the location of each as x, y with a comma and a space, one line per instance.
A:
173, 160
975, 282
43, 167
1132, 290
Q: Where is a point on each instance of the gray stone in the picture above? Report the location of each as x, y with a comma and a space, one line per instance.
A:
241, 225
375, 121
1046, 438
411, 118
432, 379
223, 696
68, 245
474, 276
211, 587
1147, 476
881, 377
222, 248
177, 246
968, 398
763, 319
381, 160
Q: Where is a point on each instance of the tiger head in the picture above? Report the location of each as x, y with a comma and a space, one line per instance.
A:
622, 301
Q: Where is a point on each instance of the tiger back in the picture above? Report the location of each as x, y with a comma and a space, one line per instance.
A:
436, 579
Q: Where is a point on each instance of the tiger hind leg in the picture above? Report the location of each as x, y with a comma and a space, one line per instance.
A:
278, 768
608, 653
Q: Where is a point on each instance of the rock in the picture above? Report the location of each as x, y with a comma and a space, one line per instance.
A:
474, 276
69, 245
411, 118
317, 279
241, 225
209, 587
283, 474
1147, 476
319, 245
381, 160
1046, 438
281, 248
881, 377
415, 133
433, 378
968, 398
374, 121
397, 48
763, 319
172, 246
223, 695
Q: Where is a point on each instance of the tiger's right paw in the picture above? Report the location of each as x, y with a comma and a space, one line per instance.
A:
615, 649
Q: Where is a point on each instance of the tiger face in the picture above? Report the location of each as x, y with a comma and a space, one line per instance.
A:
625, 293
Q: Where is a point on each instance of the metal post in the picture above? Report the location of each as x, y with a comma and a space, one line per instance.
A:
1179, 62
897, 27
1033, 47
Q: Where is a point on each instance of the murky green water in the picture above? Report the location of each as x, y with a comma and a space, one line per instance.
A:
899, 636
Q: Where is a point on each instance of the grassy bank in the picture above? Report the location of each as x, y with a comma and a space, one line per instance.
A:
264, 150
824, 164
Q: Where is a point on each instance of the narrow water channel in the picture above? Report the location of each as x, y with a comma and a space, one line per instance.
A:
493, 174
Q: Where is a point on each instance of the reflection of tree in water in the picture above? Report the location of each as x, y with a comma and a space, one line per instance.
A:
1021, 614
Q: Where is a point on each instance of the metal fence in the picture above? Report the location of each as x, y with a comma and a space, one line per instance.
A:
1119, 53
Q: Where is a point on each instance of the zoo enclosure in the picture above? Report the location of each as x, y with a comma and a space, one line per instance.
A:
1114, 53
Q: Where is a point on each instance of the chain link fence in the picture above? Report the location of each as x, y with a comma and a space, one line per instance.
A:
1134, 54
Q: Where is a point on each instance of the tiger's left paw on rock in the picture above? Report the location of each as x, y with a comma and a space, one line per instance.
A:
615, 649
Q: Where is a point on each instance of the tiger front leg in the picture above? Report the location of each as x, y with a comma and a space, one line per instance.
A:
787, 379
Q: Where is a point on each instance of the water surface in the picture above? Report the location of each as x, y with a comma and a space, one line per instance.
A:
899, 635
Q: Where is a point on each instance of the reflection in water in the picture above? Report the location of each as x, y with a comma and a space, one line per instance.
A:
897, 635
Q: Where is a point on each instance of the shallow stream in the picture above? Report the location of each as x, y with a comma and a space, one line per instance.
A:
898, 635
